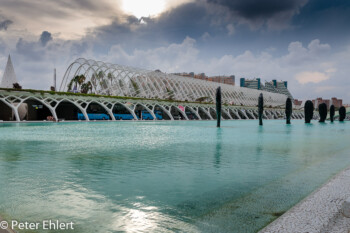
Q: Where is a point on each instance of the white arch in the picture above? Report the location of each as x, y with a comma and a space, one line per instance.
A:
151, 84
148, 110
180, 111
13, 108
41, 101
102, 105
79, 107
164, 110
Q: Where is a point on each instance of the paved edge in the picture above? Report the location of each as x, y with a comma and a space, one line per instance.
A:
5, 230
317, 212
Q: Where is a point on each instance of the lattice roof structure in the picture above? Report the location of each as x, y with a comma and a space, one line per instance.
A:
117, 80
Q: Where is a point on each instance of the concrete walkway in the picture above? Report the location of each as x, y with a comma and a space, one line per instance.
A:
321, 211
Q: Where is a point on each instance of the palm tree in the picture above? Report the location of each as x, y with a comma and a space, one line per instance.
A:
86, 87
110, 77
135, 86
81, 79
70, 84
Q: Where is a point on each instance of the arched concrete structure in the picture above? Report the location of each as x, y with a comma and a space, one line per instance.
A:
147, 109
164, 110
14, 99
127, 108
193, 112
206, 113
109, 112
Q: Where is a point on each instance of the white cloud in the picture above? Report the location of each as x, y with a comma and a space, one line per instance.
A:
308, 75
311, 77
304, 71
69, 18
172, 58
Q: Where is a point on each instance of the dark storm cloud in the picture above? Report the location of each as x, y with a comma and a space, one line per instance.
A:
194, 19
4, 24
253, 9
45, 37
191, 19
275, 13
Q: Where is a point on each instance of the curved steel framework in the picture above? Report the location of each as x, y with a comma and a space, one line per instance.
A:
174, 110
118, 80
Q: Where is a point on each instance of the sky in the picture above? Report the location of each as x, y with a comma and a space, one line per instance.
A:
305, 42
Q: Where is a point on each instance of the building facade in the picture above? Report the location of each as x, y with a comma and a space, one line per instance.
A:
230, 80
333, 101
273, 86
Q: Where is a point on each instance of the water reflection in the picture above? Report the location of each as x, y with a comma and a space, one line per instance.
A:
159, 177
218, 148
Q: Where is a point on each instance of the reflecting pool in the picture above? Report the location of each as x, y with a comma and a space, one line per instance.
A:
165, 176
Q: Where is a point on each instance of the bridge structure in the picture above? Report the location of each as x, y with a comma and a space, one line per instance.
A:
93, 87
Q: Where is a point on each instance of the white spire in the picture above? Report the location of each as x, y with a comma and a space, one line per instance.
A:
9, 77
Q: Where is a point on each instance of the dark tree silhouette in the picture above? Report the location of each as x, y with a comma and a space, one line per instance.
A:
289, 110
322, 109
261, 108
332, 112
308, 111
17, 86
218, 106
342, 113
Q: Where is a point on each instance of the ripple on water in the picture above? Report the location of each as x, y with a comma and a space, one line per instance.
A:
165, 176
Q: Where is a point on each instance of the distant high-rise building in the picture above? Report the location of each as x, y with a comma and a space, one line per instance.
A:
251, 83
9, 77
297, 102
336, 102
275, 86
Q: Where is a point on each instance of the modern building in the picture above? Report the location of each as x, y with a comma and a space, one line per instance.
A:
131, 94
9, 77
297, 102
251, 83
273, 86
333, 101
118, 80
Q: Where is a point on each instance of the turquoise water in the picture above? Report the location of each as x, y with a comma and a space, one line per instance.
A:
165, 176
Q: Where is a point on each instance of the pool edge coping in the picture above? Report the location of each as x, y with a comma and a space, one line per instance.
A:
318, 211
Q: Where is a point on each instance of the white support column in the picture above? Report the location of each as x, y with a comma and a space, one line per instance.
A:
227, 113
235, 112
